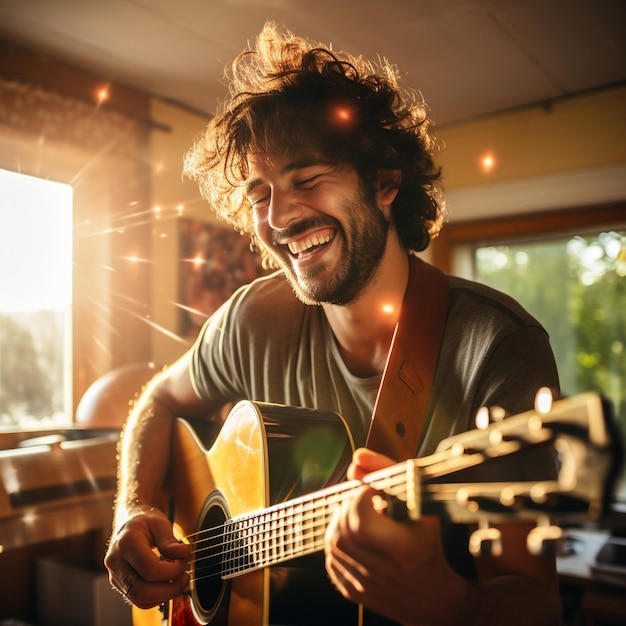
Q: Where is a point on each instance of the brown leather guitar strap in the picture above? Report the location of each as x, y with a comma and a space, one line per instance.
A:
403, 393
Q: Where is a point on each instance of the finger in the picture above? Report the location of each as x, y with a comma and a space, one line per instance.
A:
145, 595
359, 574
164, 541
365, 461
344, 545
346, 576
364, 524
152, 566
372, 538
124, 582
148, 547
337, 566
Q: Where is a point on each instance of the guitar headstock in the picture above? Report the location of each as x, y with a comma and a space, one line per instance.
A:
556, 464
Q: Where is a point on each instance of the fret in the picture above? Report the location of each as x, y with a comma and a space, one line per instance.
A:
230, 551
261, 528
254, 542
288, 531
275, 553
297, 529
280, 533
263, 542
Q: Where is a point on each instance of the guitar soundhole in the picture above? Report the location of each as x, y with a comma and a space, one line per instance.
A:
208, 588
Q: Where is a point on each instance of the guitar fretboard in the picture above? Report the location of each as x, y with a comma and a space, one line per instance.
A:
296, 528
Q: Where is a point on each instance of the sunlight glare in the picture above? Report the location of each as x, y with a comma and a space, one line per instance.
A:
482, 418
102, 94
488, 162
35, 244
543, 400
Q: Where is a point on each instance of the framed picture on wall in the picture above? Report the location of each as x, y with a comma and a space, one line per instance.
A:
215, 261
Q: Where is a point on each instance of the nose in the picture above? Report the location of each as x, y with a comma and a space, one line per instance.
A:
282, 210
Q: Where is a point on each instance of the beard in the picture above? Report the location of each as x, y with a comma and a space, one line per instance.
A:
364, 242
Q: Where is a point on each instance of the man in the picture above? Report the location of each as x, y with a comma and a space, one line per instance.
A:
328, 165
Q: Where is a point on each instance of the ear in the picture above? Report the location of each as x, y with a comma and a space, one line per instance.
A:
388, 185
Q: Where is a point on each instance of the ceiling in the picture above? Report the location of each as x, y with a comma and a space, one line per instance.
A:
469, 58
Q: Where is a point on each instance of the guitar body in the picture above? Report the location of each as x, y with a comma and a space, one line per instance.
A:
255, 506
264, 454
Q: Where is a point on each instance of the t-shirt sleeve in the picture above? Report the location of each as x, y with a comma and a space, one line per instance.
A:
493, 354
518, 366
214, 369
247, 347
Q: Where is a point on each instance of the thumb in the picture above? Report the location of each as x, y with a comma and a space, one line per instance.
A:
168, 546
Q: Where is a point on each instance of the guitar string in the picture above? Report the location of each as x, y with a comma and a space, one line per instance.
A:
275, 514
262, 550
260, 530
302, 504
380, 483
247, 536
274, 518
258, 547
255, 538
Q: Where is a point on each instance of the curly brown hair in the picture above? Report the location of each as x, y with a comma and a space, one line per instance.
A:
287, 96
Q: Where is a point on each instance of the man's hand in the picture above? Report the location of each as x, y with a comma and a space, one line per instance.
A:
146, 562
395, 569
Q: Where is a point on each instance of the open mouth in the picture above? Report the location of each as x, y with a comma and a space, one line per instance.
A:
310, 243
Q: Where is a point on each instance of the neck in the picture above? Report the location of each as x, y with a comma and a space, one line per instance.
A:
364, 329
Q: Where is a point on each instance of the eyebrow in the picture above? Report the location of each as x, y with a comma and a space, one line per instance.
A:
296, 164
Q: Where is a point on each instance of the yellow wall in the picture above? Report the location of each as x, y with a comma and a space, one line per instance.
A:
175, 198
579, 133
576, 134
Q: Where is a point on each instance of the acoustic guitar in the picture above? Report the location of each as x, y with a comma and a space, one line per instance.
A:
256, 504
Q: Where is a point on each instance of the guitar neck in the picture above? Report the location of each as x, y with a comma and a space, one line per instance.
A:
574, 430
297, 528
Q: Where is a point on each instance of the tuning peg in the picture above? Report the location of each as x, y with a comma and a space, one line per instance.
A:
544, 538
485, 416
543, 400
485, 540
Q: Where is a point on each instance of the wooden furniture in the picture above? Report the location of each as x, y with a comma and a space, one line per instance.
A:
57, 489
590, 596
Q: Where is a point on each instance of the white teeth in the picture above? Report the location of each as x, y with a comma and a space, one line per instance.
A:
296, 247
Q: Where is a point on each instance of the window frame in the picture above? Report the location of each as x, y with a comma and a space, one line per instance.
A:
493, 231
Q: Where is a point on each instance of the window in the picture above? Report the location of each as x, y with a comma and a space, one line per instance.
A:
35, 302
576, 286
573, 279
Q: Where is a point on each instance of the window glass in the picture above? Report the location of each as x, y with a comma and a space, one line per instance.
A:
35, 302
576, 287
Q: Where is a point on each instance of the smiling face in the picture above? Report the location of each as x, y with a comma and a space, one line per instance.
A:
315, 219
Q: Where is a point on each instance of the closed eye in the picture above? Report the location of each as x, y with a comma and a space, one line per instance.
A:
306, 183
258, 196
259, 203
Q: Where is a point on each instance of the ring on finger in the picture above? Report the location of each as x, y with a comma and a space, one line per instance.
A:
127, 583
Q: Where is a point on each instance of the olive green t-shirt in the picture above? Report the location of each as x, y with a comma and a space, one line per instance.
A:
265, 345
